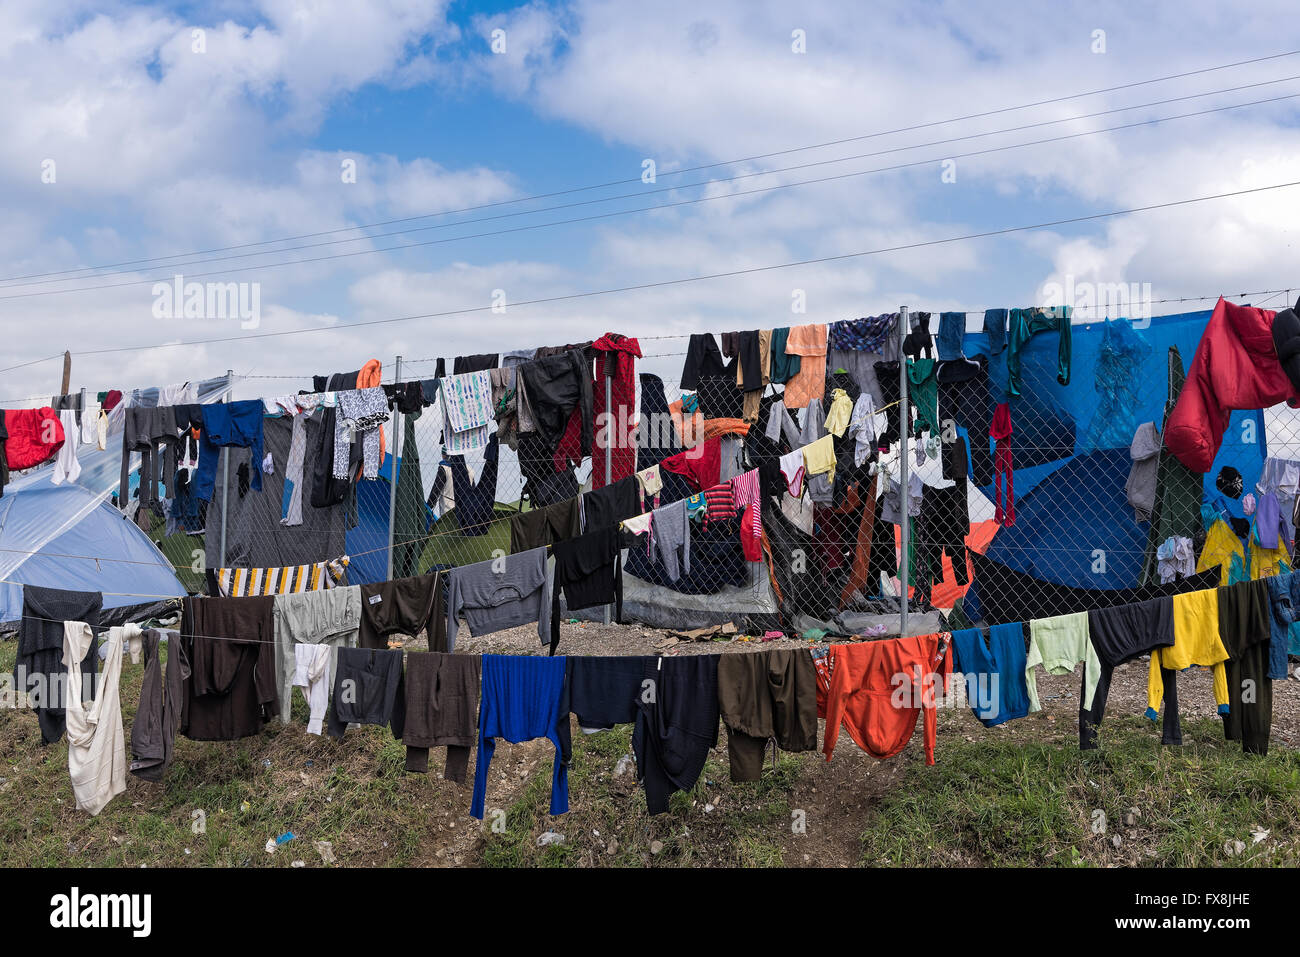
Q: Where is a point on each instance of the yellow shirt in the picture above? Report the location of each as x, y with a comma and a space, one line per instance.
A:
1267, 562
1221, 544
837, 420
1196, 642
820, 457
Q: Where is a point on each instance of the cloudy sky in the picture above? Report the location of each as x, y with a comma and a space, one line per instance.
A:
220, 141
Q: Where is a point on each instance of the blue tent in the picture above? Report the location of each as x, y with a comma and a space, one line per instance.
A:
43, 530
1073, 525
367, 542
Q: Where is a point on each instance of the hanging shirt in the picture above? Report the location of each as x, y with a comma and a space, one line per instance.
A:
96, 741
66, 466
500, 593
819, 458
747, 494
809, 343
670, 533
519, 701
701, 466
862, 425
650, 483
840, 414
994, 670
367, 690
865, 686
792, 470
467, 411
325, 619
1223, 548
1196, 642
1058, 644
588, 572
312, 673
360, 412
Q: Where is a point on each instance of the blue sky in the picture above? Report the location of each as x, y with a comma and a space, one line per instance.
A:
160, 149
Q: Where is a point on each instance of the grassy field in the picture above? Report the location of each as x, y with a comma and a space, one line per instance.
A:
990, 800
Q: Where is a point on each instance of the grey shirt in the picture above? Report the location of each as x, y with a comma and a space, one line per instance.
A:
500, 593
1141, 484
329, 616
670, 527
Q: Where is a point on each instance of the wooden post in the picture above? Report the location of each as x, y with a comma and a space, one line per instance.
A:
67, 373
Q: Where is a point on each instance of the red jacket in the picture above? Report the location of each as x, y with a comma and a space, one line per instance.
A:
34, 436
1235, 367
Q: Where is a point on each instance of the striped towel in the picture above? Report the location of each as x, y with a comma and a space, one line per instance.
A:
719, 503
290, 579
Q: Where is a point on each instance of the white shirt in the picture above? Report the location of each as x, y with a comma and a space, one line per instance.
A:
96, 740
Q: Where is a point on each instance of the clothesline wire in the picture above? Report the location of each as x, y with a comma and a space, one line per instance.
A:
658, 206
733, 273
702, 183
666, 173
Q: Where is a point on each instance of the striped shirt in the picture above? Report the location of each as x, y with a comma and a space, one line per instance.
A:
719, 503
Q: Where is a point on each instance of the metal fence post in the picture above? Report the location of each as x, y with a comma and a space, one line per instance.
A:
609, 447
392, 474
225, 472
904, 525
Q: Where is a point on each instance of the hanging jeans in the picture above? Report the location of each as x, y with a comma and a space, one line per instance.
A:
228, 424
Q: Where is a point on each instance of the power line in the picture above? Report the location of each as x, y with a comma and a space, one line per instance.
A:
657, 206
570, 297
678, 172
668, 189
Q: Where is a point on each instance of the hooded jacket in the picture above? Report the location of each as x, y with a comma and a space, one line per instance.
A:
1235, 367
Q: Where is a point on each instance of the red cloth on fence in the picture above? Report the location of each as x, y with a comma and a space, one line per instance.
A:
35, 435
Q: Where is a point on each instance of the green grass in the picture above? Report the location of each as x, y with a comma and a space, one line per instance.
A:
992, 803
744, 829
988, 801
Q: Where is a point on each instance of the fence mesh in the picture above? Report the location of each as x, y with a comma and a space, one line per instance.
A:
1038, 484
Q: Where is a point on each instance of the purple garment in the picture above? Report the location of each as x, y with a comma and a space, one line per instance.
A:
1269, 523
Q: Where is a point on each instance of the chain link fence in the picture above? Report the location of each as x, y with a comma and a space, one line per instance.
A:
1071, 503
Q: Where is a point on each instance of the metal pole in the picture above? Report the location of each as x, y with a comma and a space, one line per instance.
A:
610, 433
905, 426
392, 473
225, 472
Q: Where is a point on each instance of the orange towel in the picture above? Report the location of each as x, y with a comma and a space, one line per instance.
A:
809, 382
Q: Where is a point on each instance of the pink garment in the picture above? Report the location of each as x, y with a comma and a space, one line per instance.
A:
747, 494
1000, 430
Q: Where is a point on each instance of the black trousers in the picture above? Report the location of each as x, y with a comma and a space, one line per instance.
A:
602, 692
1090, 718
1244, 626
677, 726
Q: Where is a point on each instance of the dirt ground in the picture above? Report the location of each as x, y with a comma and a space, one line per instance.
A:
356, 793
836, 795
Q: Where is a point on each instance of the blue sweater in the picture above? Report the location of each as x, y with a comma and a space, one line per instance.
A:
995, 673
521, 700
